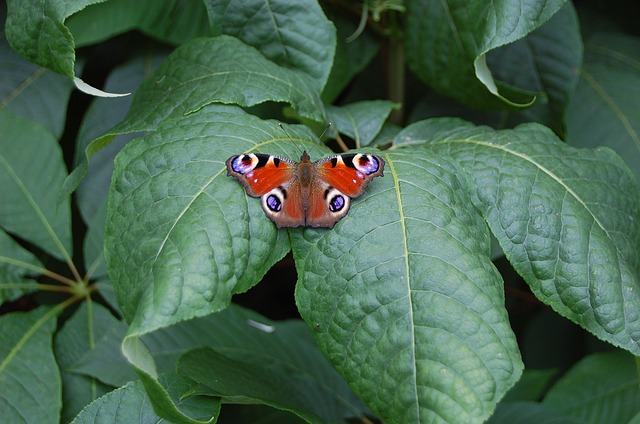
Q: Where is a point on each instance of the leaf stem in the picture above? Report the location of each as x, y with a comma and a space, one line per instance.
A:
341, 143
396, 70
39, 270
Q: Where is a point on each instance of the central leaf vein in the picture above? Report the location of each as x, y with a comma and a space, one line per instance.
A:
402, 220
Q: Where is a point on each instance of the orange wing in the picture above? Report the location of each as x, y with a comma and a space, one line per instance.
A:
258, 173
350, 173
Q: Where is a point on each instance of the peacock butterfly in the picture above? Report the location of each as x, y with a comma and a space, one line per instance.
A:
312, 194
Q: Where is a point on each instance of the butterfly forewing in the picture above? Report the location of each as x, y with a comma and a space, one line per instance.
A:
351, 173
258, 173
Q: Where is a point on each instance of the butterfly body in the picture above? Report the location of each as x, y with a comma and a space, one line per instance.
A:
305, 193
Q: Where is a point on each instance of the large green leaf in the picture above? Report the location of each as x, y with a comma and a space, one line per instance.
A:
545, 62
206, 71
263, 361
33, 92
404, 300
566, 218
77, 338
293, 34
106, 363
29, 378
447, 43
286, 351
604, 109
361, 121
614, 399
36, 30
31, 173
131, 403
529, 412
172, 21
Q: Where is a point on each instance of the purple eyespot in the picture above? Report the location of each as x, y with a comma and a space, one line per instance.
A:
243, 164
273, 203
366, 164
336, 203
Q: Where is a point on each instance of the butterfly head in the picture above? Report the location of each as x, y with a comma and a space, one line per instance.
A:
305, 158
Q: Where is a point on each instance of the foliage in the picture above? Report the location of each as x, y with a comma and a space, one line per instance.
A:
511, 144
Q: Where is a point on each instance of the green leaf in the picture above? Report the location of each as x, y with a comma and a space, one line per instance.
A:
295, 35
35, 29
615, 398
453, 37
544, 62
171, 21
32, 92
210, 65
29, 378
241, 331
361, 121
604, 109
77, 338
276, 364
566, 218
529, 413
131, 402
105, 362
101, 115
108, 294
16, 266
403, 299
258, 378
182, 237
30, 177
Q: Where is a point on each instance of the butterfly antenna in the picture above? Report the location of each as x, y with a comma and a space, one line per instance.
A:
325, 130
329, 125
289, 135
285, 131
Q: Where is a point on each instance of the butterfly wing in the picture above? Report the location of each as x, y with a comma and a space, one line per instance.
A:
270, 178
258, 173
350, 173
337, 180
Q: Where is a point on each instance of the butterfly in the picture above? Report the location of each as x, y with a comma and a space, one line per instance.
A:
305, 193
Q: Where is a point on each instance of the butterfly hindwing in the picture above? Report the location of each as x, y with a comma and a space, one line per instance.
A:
327, 205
